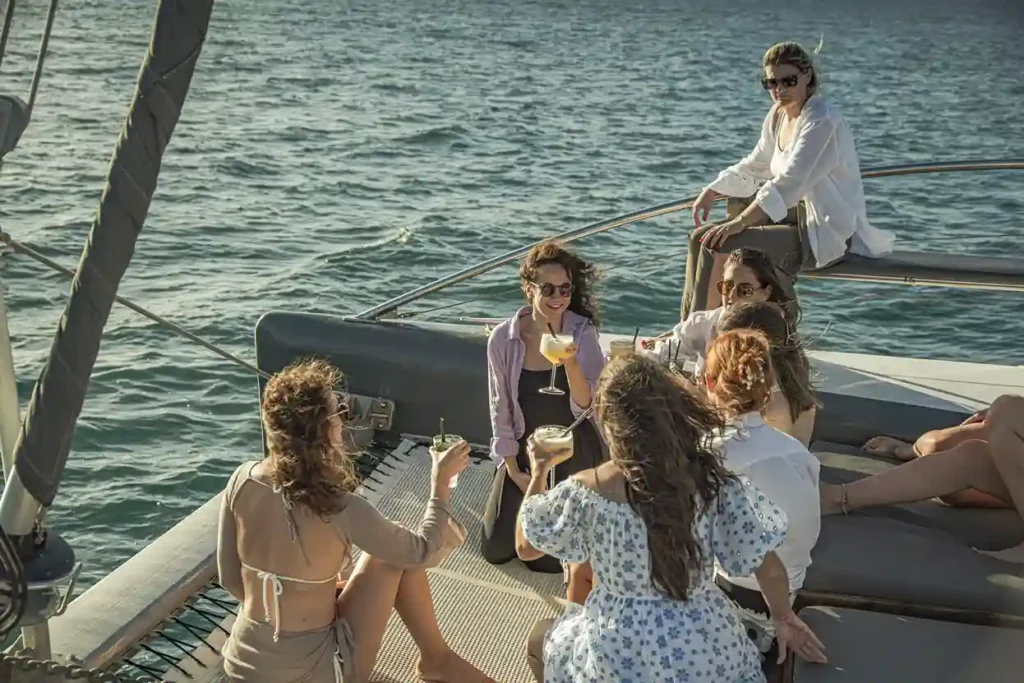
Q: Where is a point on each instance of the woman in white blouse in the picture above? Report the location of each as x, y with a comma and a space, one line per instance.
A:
740, 379
801, 187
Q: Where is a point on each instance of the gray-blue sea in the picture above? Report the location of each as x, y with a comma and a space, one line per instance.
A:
333, 154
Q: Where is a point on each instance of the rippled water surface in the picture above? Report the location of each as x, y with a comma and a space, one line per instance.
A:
332, 155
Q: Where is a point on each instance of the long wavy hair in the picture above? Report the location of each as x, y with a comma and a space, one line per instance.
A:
306, 464
582, 275
739, 372
659, 435
767, 275
792, 369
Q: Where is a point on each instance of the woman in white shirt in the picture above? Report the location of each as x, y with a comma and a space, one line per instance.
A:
739, 378
807, 205
749, 276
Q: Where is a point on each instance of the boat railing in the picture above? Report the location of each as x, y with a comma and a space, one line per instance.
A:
932, 272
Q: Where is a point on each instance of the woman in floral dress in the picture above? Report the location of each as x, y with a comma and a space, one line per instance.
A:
651, 522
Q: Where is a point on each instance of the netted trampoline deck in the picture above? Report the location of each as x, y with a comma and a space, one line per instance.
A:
485, 611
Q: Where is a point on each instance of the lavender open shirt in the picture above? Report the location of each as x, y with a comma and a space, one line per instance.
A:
505, 353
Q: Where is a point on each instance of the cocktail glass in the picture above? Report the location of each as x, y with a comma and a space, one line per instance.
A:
551, 439
620, 347
555, 347
443, 442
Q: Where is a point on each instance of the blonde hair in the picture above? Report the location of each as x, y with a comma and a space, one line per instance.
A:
739, 368
795, 55
305, 463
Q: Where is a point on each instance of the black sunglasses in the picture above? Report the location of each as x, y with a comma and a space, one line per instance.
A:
784, 82
548, 290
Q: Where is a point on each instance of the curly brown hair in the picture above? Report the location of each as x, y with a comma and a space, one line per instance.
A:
582, 275
306, 463
792, 369
659, 435
739, 372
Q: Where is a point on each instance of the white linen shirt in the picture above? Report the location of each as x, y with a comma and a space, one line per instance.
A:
787, 473
820, 167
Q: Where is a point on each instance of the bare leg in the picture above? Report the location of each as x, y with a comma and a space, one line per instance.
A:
535, 648
935, 441
939, 440
376, 587
581, 582
1005, 423
964, 467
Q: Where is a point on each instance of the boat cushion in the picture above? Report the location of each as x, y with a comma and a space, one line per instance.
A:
979, 528
884, 648
922, 267
920, 554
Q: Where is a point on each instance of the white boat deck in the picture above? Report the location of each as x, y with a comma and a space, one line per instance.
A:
950, 385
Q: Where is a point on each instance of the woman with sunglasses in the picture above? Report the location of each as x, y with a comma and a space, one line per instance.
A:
288, 525
748, 276
557, 285
797, 196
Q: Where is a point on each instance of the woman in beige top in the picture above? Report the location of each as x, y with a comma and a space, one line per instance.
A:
287, 527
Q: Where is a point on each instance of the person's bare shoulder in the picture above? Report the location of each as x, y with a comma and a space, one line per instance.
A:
606, 480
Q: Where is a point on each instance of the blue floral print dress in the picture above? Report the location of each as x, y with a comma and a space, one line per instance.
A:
629, 632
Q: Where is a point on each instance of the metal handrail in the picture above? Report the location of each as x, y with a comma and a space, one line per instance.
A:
646, 214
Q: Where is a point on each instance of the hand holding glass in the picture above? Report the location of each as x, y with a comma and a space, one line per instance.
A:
551, 445
451, 454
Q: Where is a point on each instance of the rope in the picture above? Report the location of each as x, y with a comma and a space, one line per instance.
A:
20, 248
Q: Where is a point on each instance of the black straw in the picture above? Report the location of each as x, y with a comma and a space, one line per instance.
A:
635, 335
442, 430
678, 346
553, 334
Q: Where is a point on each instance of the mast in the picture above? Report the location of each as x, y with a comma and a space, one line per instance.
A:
44, 440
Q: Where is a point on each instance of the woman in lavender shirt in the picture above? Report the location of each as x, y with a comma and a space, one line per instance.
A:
557, 285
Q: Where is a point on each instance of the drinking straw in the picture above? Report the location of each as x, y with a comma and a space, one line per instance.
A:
583, 416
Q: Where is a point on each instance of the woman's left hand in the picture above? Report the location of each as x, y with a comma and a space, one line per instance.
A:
717, 235
794, 635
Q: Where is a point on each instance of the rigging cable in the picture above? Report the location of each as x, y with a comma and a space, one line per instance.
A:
20, 248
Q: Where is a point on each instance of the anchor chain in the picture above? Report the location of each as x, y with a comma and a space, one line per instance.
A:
71, 672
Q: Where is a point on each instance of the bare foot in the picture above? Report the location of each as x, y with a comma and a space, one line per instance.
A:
888, 447
1014, 554
831, 496
449, 668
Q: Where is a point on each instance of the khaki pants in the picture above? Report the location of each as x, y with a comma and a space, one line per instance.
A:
786, 244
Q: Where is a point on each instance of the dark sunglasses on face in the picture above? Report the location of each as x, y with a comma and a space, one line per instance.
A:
743, 289
784, 82
548, 290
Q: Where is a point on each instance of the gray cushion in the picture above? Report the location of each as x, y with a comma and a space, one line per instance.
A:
875, 557
918, 553
867, 647
988, 529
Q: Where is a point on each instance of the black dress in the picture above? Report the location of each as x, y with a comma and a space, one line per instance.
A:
499, 544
